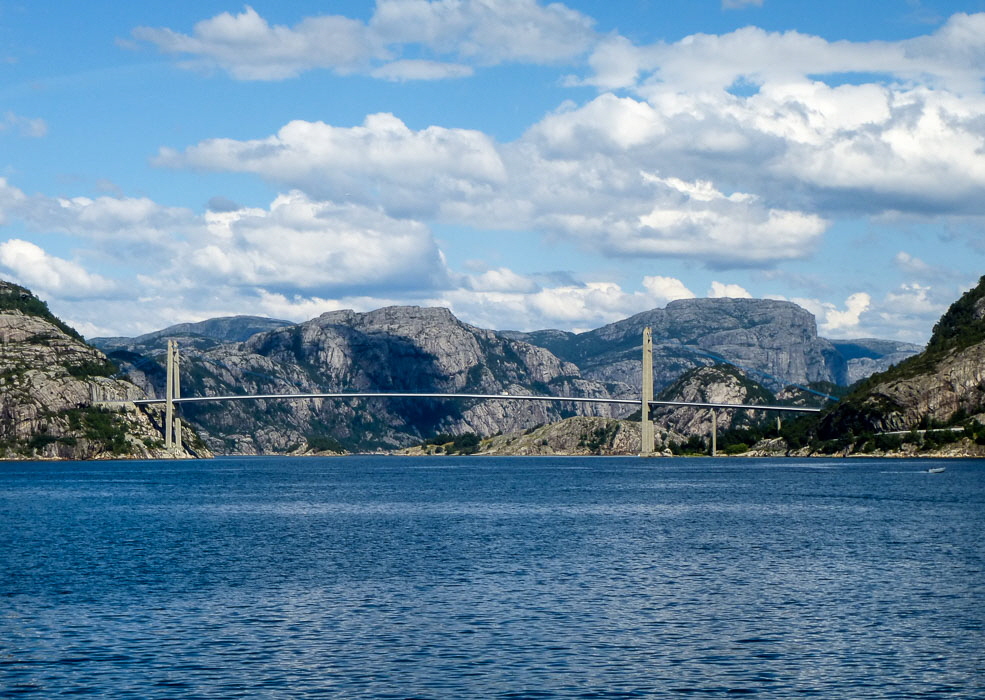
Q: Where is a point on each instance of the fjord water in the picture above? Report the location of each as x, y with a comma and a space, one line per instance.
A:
492, 577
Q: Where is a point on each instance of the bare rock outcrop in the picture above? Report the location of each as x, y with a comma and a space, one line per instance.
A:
396, 349
50, 380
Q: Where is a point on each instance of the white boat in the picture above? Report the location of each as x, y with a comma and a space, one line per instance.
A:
935, 470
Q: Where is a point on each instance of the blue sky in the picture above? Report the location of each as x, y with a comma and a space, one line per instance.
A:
526, 164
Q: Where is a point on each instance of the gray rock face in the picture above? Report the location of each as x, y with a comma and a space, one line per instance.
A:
47, 380
719, 384
866, 356
580, 435
389, 350
776, 341
204, 334
942, 384
956, 383
429, 350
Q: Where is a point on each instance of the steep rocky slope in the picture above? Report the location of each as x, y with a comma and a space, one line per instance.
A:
48, 377
866, 356
579, 435
776, 340
388, 350
413, 349
718, 384
943, 385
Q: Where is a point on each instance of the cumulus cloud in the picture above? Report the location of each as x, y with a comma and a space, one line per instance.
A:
838, 321
315, 247
481, 32
501, 279
575, 307
665, 289
732, 291
123, 229
598, 196
414, 170
949, 58
914, 267
298, 247
836, 127
29, 265
249, 48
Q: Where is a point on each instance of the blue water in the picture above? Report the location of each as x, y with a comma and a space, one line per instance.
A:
482, 577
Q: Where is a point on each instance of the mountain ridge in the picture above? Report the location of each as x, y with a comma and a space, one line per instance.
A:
428, 349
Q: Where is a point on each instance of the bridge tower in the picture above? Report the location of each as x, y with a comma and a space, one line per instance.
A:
172, 391
646, 423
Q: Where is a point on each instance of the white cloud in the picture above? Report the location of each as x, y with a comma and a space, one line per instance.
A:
316, 247
908, 136
416, 69
731, 291
665, 289
299, 248
839, 322
914, 298
47, 275
249, 48
739, 4
413, 170
573, 307
951, 58
25, 126
501, 280
914, 267
489, 31
599, 198
482, 32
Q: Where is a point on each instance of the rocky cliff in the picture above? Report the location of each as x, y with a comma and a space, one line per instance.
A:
867, 356
944, 385
718, 384
388, 350
775, 341
421, 350
48, 378
579, 435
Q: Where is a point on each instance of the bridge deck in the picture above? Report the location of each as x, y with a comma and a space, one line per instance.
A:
499, 397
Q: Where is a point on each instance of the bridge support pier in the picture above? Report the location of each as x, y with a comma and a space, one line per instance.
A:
172, 390
646, 424
714, 433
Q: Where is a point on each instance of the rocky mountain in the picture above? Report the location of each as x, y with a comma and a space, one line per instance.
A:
201, 335
944, 385
775, 341
388, 350
415, 349
717, 384
48, 379
866, 356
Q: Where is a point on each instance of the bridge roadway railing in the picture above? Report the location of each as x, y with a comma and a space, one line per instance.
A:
491, 397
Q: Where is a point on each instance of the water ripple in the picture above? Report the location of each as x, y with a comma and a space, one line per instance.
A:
497, 578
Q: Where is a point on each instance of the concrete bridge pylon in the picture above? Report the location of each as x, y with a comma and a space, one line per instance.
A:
646, 423
172, 391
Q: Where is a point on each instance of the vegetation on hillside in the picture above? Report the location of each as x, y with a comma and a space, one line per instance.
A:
16, 298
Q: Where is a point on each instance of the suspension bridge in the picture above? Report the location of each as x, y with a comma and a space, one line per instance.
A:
173, 398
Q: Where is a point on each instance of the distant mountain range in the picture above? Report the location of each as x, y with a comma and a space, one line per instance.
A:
731, 350
421, 349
